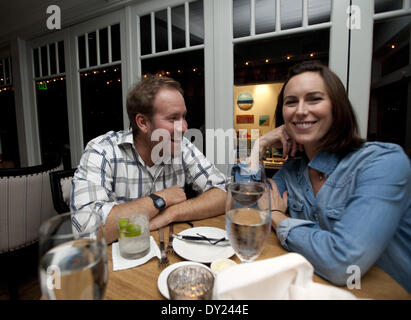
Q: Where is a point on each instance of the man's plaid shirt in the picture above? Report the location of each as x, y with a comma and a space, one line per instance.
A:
112, 172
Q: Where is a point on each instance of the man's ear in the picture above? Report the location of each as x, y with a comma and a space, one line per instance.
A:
142, 122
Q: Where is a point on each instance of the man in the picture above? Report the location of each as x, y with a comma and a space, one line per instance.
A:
134, 170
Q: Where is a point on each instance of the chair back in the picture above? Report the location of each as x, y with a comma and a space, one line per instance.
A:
60, 183
25, 202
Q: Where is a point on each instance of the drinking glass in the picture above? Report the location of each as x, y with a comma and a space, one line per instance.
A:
133, 235
248, 218
73, 262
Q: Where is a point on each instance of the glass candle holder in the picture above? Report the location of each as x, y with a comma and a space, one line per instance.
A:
190, 282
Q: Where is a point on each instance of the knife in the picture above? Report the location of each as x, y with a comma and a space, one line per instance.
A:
197, 238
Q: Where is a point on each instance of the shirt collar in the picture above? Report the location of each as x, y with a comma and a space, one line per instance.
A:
325, 162
126, 138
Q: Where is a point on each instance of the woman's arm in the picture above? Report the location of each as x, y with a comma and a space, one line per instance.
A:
362, 228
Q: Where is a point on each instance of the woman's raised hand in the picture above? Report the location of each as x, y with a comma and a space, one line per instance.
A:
279, 138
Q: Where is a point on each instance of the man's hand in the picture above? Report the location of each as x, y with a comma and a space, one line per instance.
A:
172, 195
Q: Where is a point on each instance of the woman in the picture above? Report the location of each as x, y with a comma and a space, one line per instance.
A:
349, 201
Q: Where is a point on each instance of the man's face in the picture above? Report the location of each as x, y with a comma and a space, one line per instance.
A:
169, 114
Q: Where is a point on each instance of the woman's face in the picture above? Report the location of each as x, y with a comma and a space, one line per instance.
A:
307, 109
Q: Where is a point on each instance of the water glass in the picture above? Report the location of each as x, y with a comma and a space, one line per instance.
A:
190, 282
73, 262
133, 235
248, 218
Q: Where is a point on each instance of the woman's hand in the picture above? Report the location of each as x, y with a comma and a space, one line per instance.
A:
279, 138
279, 204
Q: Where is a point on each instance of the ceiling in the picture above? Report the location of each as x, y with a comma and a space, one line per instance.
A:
27, 18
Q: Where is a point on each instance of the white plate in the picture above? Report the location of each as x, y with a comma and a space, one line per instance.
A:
162, 278
202, 251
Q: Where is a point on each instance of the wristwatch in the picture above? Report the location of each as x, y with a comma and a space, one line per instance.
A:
159, 202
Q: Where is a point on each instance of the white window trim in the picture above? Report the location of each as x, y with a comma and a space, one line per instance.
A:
360, 69
37, 43
26, 110
73, 76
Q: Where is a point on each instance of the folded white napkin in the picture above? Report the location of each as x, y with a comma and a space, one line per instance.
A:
287, 277
119, 263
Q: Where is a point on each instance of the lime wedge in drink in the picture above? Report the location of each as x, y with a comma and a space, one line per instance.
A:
133, 230
123, 223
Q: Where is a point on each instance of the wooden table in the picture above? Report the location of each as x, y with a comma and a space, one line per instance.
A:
141, 282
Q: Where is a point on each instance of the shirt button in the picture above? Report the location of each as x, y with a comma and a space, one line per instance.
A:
306, 190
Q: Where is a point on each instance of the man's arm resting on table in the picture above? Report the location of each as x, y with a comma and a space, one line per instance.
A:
209, 204
172, 196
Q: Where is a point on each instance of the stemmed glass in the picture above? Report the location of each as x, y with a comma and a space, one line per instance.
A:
248, 209
73, 257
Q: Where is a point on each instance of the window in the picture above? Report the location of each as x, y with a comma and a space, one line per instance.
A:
101, 101
172, 28
188, 69
9, 147
172, 42
390, 108
269, 37
99, 54
50, 87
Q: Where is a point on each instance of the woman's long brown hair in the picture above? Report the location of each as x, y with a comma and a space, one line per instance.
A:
343, 136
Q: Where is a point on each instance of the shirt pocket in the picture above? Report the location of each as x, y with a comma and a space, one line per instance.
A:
335, 213
296, 208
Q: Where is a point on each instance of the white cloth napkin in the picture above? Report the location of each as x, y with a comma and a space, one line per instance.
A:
119, 263
287, 277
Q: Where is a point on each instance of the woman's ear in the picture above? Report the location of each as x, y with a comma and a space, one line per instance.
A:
142, 122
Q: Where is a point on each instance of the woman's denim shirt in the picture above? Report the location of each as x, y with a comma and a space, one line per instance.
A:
360, 216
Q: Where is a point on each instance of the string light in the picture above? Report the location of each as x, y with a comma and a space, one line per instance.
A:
288, 57
393, 46
267, 60
311, 55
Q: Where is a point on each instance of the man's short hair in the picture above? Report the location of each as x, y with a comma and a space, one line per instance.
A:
141, 97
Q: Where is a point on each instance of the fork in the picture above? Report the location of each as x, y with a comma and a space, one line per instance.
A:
170, 239
164, 259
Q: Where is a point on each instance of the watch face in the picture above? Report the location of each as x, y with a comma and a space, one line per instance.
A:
160, 203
